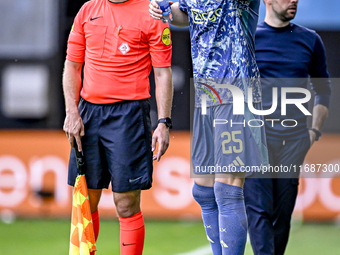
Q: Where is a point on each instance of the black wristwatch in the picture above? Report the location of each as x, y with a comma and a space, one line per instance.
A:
166, 121
317, 132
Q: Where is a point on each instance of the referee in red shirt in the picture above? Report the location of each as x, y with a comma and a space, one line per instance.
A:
115, 43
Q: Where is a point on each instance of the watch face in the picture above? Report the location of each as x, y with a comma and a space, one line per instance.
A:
168, 122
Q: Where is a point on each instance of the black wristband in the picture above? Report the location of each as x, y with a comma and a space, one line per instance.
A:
166, 121
317, 132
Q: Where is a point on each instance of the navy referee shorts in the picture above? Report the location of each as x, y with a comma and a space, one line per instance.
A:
116, 146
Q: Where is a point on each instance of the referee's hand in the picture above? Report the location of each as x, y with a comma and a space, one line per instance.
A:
74, 128
160, 135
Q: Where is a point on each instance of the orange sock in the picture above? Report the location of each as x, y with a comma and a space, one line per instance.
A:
95, 220
132, 232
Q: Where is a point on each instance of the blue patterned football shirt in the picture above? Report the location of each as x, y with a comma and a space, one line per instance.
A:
222, 47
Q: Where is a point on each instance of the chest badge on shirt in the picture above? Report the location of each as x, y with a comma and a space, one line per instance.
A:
124, 48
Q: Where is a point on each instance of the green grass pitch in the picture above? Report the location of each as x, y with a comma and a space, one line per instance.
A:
31, 237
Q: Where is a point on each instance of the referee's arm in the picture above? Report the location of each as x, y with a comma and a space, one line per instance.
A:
164, 94
73, 124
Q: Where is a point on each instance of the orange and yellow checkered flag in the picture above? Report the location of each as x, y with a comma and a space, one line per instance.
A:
82, 240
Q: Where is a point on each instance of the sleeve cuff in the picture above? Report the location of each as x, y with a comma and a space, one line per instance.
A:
75, 59
323, 100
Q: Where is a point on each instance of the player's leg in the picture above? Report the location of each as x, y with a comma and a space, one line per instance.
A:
203, 189
293, 152
228, 187
203, 193
239, 148
126, 141
232, 215
259, 201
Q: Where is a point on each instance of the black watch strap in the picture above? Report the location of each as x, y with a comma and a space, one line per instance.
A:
166, 121
317, 132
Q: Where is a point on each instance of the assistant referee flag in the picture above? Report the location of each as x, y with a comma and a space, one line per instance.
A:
82, 240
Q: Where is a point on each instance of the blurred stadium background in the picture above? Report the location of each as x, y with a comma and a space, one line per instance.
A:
35, 201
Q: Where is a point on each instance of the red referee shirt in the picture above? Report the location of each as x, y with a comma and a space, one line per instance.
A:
119, 43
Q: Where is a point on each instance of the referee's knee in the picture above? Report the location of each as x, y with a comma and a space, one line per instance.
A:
127, 203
